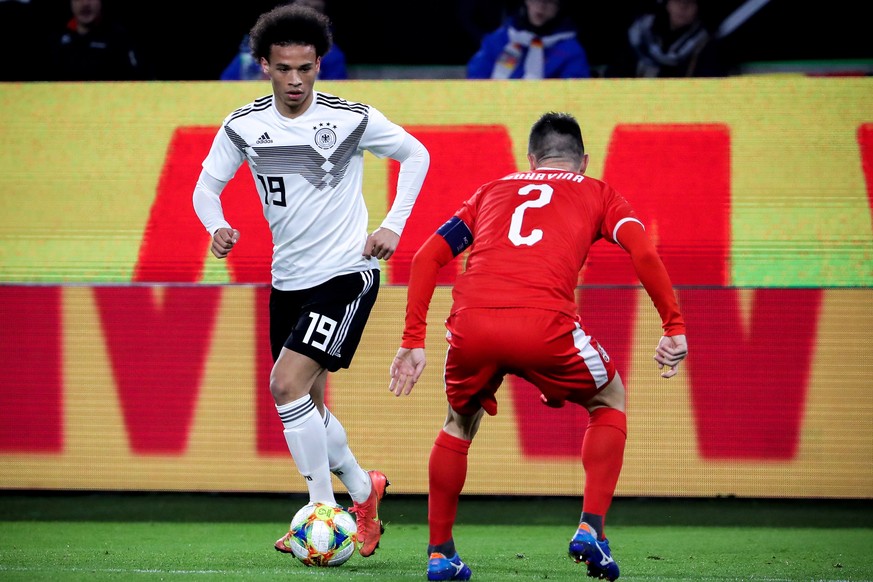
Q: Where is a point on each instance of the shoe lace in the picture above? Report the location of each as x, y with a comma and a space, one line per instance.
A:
363, 511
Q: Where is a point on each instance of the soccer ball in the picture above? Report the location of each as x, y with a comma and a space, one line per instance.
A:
323, 535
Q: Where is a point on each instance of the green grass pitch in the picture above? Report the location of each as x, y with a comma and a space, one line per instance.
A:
164, 536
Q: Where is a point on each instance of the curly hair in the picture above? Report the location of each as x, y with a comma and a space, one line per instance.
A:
288, 25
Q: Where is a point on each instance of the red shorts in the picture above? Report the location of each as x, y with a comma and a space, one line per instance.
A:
547, 348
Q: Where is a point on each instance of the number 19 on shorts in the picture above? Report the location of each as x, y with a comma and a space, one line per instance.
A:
320, 325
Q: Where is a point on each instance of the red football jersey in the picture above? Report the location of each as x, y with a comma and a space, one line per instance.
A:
531, 234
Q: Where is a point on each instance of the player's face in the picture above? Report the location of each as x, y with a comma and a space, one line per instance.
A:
292, 70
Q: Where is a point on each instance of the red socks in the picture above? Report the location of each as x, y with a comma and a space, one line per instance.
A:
602, 458
447, 471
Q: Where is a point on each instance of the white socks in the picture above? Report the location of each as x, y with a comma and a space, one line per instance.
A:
307, 441
342, 461
320, 447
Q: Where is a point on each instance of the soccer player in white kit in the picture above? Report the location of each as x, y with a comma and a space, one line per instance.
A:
305, 151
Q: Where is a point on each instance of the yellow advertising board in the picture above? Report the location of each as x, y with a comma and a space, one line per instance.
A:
130, 359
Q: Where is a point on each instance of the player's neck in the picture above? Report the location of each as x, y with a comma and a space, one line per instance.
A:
293, 110
557, 166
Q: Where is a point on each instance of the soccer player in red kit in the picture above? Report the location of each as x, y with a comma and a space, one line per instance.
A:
514, 312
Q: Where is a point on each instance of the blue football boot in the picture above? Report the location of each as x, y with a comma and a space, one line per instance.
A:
585, 547
439, 567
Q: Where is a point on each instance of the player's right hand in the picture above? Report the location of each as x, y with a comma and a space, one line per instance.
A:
223, 241
670, 351
406, 369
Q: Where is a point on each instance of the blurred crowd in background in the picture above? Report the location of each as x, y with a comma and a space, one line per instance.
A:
198, 39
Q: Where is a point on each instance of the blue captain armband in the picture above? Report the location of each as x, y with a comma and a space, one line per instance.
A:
457, 234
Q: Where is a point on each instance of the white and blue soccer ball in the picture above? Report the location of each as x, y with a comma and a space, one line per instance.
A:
323, 535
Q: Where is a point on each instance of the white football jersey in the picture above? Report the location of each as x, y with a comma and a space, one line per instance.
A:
308, 172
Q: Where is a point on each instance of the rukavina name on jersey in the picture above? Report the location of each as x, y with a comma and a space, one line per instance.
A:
556, 175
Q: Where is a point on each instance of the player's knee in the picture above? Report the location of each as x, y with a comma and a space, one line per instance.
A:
284, 389
612, 396
462, 426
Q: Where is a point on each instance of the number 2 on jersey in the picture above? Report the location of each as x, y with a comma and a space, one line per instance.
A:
536, 234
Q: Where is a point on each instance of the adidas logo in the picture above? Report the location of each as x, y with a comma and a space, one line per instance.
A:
265, 138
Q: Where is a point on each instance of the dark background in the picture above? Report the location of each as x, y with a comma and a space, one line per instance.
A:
510, 510
195, 39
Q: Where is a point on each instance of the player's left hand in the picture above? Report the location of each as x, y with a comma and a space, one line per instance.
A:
551, 403
406, 369
670, 351
381, 244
